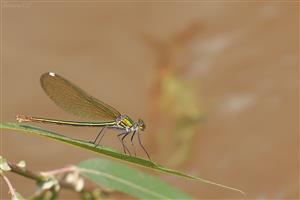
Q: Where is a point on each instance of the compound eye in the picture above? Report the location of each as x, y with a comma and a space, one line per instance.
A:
142, 125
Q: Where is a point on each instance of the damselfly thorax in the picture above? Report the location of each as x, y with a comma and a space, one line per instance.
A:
124, 122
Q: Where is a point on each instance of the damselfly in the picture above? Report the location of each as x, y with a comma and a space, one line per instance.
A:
74, 100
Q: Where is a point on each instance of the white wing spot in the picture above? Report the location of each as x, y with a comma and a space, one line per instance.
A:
51, 73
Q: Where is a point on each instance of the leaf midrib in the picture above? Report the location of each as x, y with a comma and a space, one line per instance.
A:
123, 181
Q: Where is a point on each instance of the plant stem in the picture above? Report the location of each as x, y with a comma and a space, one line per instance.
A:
26, 173
10, 187
41, 178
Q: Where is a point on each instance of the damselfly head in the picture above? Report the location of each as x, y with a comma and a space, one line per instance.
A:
141, 124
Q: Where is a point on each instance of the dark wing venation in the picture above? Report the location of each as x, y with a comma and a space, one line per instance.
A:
74, 100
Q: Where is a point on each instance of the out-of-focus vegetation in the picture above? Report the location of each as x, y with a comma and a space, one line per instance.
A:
176, 110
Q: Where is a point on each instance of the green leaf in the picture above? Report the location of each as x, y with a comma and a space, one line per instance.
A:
107, 152
46, 195
133, 182
93, 195
19, 197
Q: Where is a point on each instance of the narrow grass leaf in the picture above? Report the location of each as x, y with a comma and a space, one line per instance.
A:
107, 152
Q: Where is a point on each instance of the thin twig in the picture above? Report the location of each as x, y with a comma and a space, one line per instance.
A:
59, 171
10, 187
26, 173
40, 177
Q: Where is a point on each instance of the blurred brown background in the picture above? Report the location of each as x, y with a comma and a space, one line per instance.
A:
234, 65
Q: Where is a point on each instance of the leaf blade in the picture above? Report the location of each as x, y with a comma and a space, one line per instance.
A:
133, 182
108, 152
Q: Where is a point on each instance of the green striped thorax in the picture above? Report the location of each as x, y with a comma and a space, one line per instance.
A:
125, 122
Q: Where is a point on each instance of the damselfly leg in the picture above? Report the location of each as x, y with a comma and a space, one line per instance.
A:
142, 145
132, 144
103, 130
95, 140
122, 141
